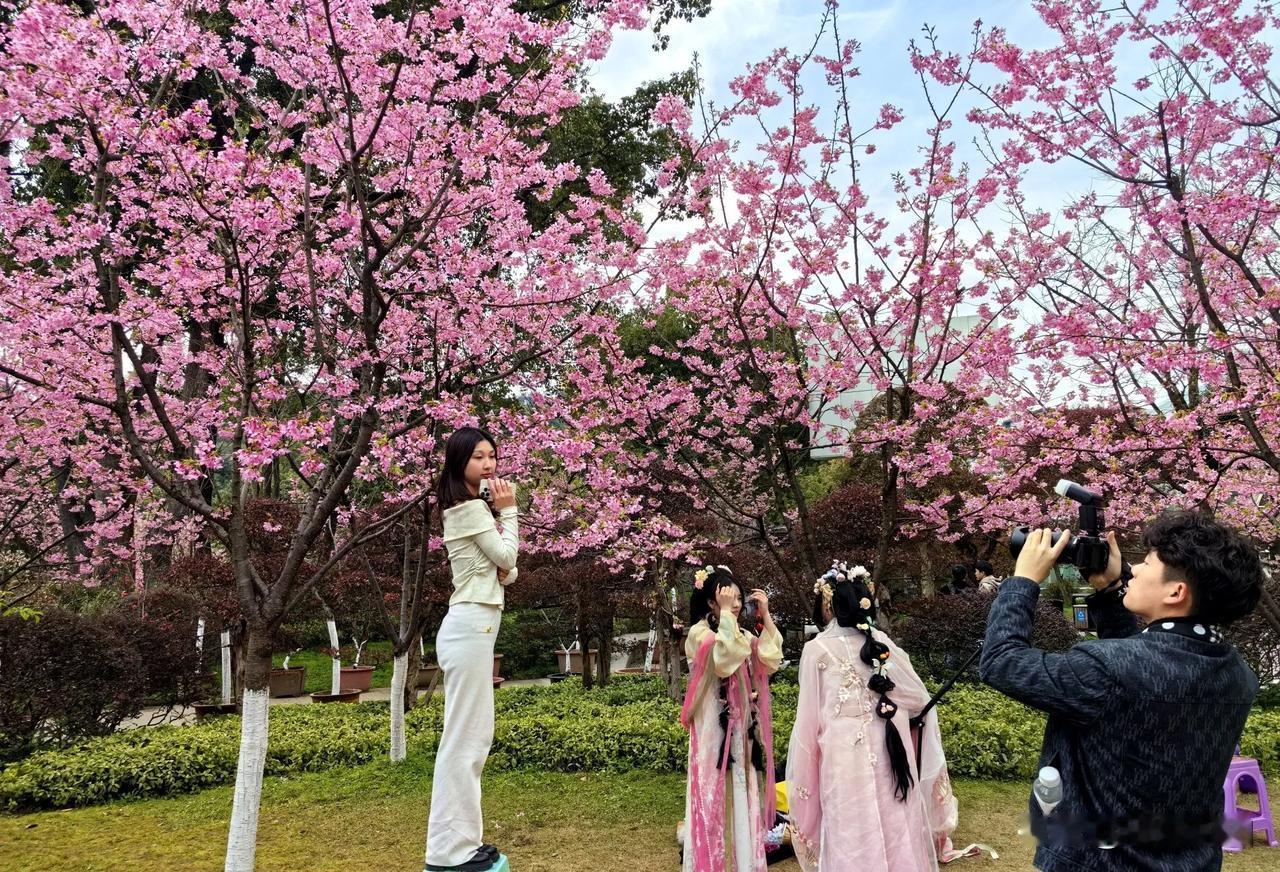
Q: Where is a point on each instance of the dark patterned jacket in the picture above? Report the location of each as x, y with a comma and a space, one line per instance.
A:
1141, 726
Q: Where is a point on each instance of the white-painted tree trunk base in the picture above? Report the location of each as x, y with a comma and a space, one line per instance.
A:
242, 838
399, 674
336, 673
226, 667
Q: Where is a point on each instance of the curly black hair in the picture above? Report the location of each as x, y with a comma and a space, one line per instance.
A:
1220, 566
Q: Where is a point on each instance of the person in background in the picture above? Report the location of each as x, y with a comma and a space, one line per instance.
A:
988, 582
960, 579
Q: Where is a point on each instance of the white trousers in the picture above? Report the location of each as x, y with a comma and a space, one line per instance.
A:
464, 649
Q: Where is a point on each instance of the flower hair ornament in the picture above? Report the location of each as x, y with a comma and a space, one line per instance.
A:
700, 577
839, 573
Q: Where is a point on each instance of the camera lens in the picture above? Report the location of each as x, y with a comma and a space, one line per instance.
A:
1018, 538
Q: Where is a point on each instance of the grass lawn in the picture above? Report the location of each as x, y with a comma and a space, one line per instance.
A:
374, 817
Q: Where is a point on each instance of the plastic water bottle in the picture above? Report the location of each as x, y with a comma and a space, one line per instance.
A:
1047, 789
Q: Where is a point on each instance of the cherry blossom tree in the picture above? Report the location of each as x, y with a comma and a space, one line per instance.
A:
792, 287
1153, 288
297, 243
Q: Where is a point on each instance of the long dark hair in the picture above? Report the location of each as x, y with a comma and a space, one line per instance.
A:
451, 488
702, 605
854, 605
702, 601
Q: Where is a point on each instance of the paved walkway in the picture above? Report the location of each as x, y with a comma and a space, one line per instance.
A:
150, 717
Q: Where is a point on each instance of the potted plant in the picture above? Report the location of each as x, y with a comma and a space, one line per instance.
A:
286, 680
226, 672
571, 659
356, 676
346, 597
336, 692
427, 674
207, 709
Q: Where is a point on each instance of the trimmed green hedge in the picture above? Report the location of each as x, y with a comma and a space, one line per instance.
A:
628, 725
988, 735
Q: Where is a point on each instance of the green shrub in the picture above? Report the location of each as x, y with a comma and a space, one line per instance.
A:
1261, 738
527, 642
988, 735
65, 677
630, 724
941, 632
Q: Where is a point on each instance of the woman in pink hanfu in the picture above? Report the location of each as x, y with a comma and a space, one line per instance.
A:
857, 801
726, 711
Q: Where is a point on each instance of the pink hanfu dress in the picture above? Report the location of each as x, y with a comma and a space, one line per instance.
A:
725, 813
844, 814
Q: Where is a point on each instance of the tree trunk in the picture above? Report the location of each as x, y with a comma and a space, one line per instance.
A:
399, 670
604, 660
242, 836
411, 673
888, 524
588, 674
335, 672
1270, 610
70, 522
664, 621
224, 650
239, 655
668, 655
928, 584
584, 637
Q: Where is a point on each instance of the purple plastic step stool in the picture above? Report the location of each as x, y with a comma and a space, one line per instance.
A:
1244, 774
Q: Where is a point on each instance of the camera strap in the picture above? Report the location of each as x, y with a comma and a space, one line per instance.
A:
1189, 626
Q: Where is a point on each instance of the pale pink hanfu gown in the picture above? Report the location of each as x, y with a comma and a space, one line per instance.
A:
725, 814
843, 810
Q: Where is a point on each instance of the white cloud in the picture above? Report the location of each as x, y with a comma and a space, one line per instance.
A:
735, 33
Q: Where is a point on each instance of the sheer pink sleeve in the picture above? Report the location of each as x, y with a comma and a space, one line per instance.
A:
804, 761
909, 691
932, 778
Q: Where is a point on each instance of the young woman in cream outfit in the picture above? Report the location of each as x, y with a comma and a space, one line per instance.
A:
482, 552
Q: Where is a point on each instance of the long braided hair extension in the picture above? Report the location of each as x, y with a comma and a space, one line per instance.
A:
851, 598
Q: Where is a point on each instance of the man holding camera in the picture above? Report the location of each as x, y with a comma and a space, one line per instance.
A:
1142, 722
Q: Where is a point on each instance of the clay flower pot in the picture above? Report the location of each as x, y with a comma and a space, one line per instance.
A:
357, 677
347, 695
575, 660
287, 682
209, 709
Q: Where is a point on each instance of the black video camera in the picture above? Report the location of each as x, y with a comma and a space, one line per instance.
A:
1088, 552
